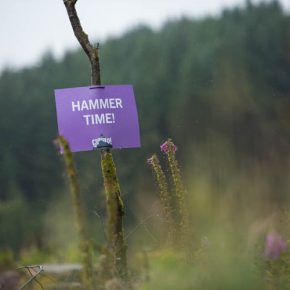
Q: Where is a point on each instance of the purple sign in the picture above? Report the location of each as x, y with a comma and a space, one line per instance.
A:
98, 117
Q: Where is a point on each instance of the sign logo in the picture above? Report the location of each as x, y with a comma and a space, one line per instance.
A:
102, 142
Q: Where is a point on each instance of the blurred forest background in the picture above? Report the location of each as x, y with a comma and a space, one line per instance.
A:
218, 86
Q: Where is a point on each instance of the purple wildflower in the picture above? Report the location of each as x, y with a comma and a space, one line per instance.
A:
274, 246
166, 146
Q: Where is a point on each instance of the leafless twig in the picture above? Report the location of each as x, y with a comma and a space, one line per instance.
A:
91, 51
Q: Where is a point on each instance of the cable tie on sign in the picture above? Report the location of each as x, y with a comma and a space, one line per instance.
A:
97, 87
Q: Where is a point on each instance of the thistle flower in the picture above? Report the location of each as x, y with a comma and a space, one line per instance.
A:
165, 147
169, 148
274, 246
165, 197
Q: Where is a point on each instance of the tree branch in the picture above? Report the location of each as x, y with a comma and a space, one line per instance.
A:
91, 51
115, 208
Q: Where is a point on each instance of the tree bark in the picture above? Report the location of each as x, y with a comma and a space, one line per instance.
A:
115, 211
91, 51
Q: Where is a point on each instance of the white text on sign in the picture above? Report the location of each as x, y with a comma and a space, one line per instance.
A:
97, 104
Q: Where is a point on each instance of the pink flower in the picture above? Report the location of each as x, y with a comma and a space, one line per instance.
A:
274, 246
166, 146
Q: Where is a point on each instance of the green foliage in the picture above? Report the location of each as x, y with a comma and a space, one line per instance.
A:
218, 86
16, 222
212, 271
6, 260
277, 272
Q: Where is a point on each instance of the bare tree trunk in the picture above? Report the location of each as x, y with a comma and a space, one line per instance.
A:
115, 210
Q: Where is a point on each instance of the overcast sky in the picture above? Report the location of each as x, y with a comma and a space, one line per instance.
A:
30, 27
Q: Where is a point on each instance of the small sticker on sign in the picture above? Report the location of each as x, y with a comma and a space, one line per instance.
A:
102, 117
102, 142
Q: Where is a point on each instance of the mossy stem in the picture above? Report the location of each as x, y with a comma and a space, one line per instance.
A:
165, 197
179, 189
84, 243
115, 212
